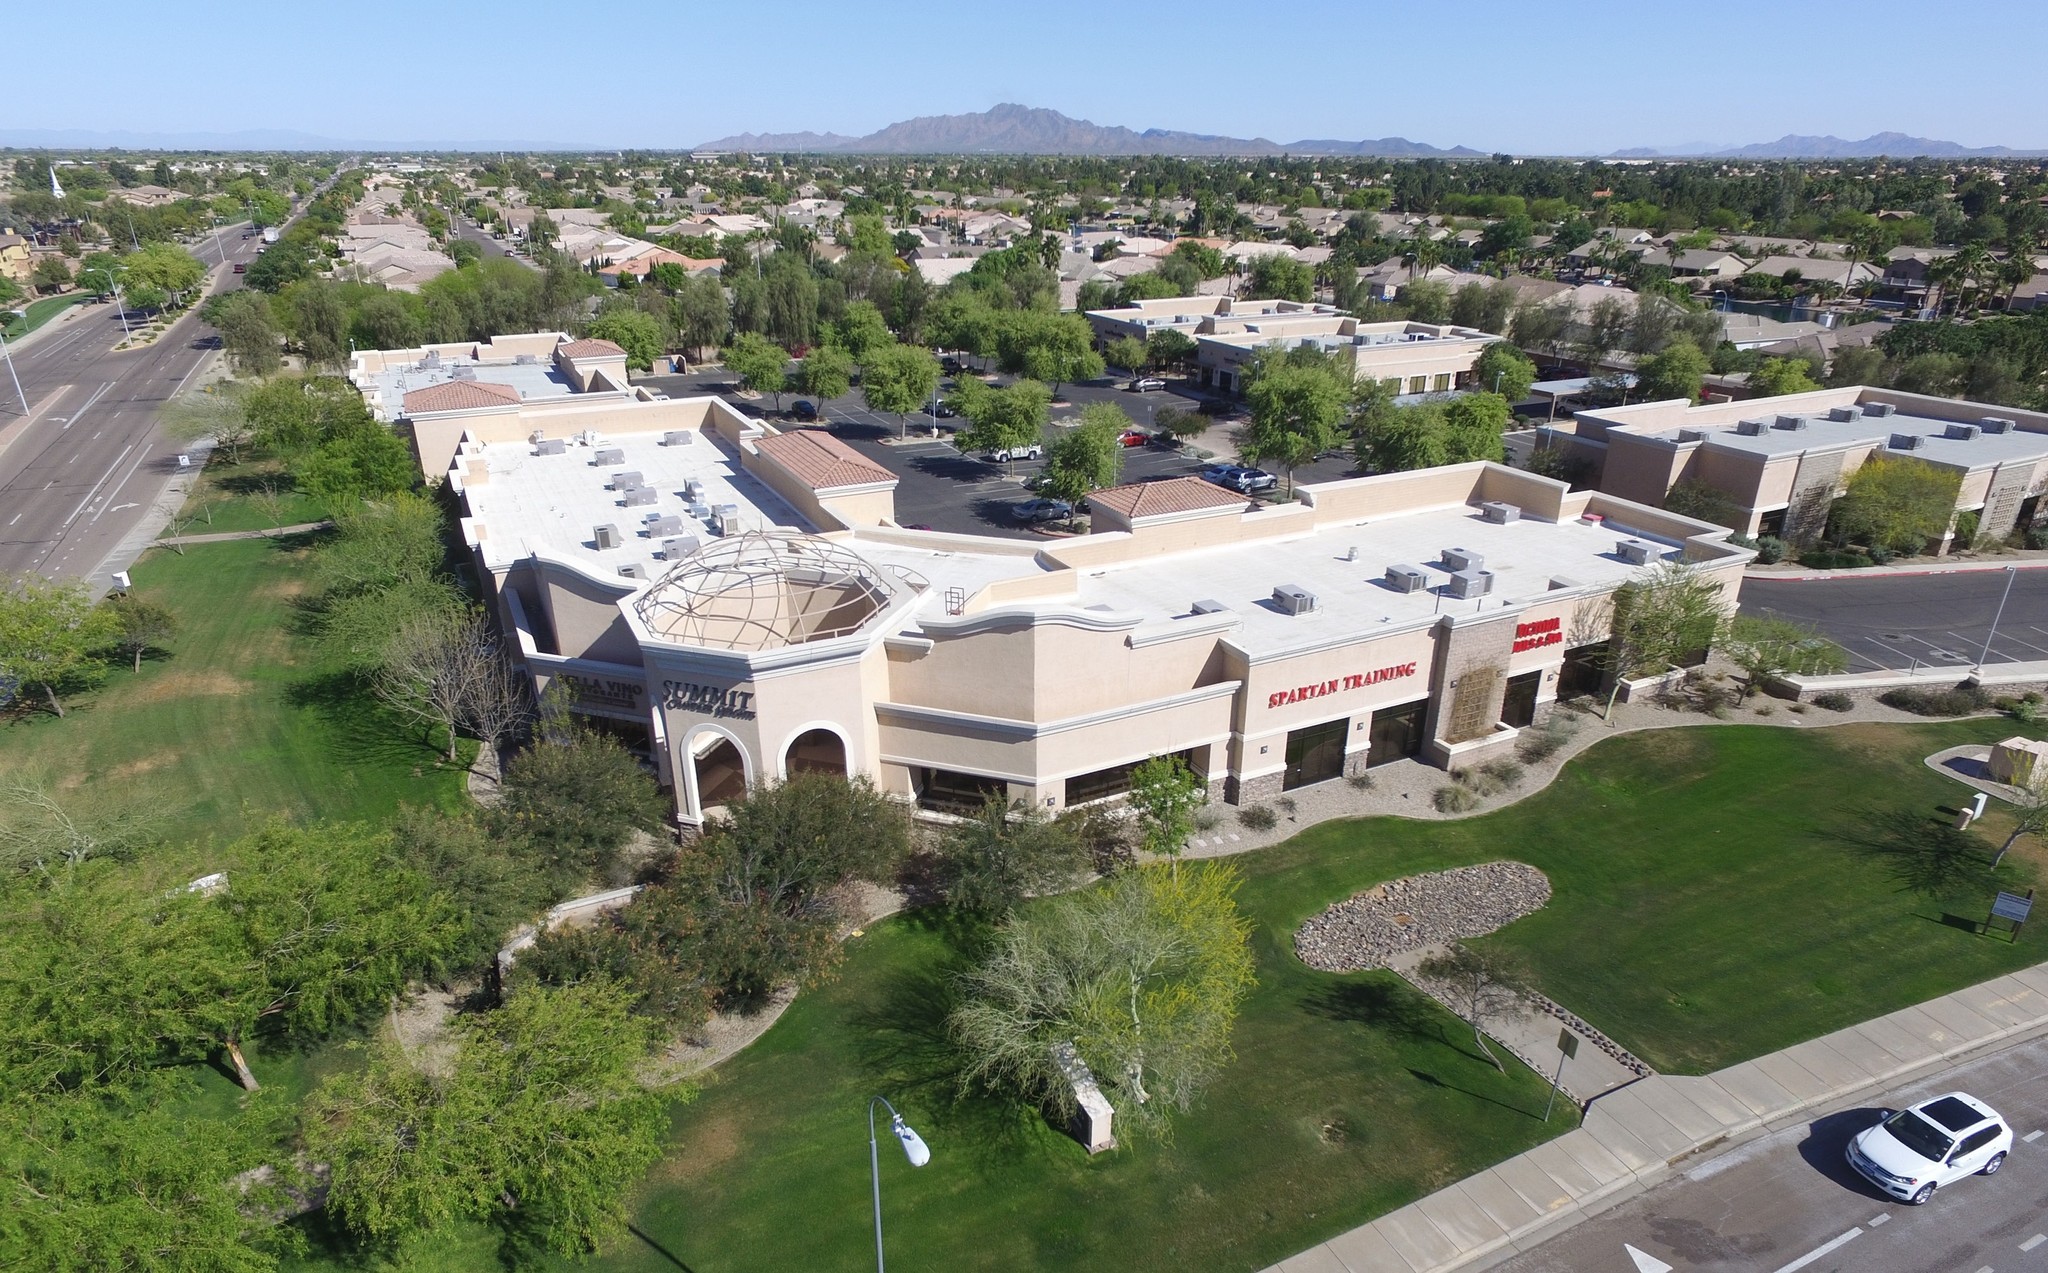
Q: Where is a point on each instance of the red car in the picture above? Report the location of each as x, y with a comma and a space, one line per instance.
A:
1132, 437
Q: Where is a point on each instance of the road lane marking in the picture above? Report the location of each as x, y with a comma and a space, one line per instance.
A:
1873, 1223
96, 486
2031, 1137
115, 489
1645, 1263
188, 375
2034, 1241
1821, 1251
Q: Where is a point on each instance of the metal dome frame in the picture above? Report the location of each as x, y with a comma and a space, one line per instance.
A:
758, 591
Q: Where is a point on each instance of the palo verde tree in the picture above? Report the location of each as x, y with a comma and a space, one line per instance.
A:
1142, 975
50, 635
1896, 504
1766, 648
1165, 794
1661, 619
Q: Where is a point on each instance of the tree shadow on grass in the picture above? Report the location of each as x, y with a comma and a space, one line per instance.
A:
1384, 1002
359, 730
1923, 855
1427, 1079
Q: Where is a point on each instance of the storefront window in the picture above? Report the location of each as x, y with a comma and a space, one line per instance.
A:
949, 791
1397, 732
1315, 754
1116, 780
1518, 705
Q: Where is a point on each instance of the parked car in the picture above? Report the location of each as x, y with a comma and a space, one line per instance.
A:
1217, 406
1911, 1153
803, 409
1007, 454
945, 411
1236, 477
1147, 384
241, 267
1133, 437
1042, 510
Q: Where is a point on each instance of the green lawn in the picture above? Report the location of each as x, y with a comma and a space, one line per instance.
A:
257, 494
40, 312
240, 721
1711, 903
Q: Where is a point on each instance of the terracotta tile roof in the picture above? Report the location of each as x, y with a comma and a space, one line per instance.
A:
1175, 495
460, 395
591, 349
822, 461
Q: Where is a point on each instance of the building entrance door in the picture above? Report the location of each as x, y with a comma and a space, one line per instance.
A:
1518, 707
1583, 671
1315, 754
1397, 732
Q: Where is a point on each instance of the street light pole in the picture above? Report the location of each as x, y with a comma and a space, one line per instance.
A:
11, 374
2011, 573
914, 1149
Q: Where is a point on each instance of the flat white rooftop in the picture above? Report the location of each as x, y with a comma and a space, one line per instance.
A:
533, 380
1819, 433
1352, 597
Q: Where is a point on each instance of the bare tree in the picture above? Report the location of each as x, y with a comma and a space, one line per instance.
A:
41, 828
500, 701
1480, 987
2029, 803
214, 412
430, 666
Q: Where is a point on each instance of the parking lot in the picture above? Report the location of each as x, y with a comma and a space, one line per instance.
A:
1905, 622
940, 487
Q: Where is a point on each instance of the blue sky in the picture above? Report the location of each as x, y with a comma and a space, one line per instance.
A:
1562, 76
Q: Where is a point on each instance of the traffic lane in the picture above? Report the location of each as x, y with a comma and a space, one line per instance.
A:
1900, 621
1775, 1201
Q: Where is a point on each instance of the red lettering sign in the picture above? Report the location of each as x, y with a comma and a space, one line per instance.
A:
1539, 641
1540, 626
1357, 680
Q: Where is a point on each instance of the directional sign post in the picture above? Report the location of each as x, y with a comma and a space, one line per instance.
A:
2013, 907
1567, 1047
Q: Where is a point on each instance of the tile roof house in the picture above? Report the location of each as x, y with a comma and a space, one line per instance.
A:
821, 461
460, 395
1122, 507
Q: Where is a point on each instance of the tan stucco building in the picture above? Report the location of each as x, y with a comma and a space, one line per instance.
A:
1781, 462
741, 603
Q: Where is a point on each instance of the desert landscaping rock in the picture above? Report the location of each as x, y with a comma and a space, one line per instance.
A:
1369, 928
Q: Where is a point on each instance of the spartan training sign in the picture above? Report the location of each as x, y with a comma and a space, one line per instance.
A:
711, 700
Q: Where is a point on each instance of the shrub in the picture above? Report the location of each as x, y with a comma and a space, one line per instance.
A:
1764, 709
1257, 817
1547, 739
1965, 533
1834, 701
1770, 550
1833, 559
1501, 775
1206, 819
1880, 555
1957, 700
1454, 798
1797, 709
1360, 781
1287, 805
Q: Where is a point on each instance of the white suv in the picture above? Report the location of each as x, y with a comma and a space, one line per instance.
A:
1937, 1142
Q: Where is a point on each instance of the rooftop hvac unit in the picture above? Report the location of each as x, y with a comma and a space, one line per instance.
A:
463, 371
1294, 599
551, 446
526, 360
1210, 606
1878, 410
678, 548
536, 435
433, 358
1907, 441
608, 455
641, 496
1498, 513
1750, 428
1692, 435
1456, 559
1636, 552
1403, 578
628, 478
1467, 584
1962, 432
1790, 422
607, 537
1558, 582
1997, 424
677, 437
1842, 414
634, 571
663, 524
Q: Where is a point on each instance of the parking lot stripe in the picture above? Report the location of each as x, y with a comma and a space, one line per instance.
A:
2031, 1137
2034, 1241
1874, 1221
1822, 1251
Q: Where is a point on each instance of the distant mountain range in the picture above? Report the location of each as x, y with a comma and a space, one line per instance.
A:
1795, 146
1010, 129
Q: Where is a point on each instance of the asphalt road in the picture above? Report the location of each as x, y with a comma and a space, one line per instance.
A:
89, 458
1902, 621
940, 487
1771, 1205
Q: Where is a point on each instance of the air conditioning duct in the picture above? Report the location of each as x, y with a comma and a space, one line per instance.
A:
608, 455
627, 479
1906, 441
1467, 584
607, 537
1209, 606
1637, 552
1294, 599
1404, 578
1456, 559
1962, 432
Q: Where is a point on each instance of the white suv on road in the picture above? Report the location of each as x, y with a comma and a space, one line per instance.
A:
1937, 1142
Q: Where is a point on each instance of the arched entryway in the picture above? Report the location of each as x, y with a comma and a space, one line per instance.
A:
818, 751
721, 773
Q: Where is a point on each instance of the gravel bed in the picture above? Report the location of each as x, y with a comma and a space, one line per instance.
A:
1368, 928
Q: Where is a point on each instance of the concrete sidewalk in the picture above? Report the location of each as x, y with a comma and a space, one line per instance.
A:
1635, 1137
2036, 560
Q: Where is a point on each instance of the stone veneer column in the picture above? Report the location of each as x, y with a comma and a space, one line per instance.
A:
1813, 491
1467, 643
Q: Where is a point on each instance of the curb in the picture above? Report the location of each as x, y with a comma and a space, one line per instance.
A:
1890, 572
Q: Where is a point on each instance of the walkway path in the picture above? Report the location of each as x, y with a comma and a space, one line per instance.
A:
1637, 1136
221, 537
